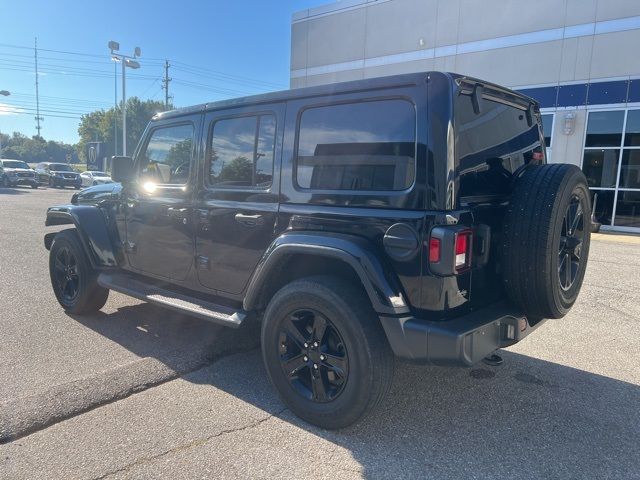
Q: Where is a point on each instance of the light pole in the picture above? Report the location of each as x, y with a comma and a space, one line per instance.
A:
4, 93
127, 61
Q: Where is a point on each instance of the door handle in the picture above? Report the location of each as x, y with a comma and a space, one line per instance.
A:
249, 220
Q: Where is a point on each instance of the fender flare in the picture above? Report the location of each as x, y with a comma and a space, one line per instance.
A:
92, 229
382, 289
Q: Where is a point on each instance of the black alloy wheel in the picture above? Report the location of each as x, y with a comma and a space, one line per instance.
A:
313, 355
571, 240
74, 280
325, 351
66, 274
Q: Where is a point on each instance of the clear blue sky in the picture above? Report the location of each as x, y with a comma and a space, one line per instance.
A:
225, 49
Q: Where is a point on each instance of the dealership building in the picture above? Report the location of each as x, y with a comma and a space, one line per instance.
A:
579, 58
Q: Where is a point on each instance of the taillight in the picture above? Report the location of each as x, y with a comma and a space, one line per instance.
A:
434, 250
463, 250
450, 249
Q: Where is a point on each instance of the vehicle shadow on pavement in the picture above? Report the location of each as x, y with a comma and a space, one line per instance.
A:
12, 191
170, 337
527, 418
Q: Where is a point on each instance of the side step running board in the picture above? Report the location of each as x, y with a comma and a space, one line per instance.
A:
131, 286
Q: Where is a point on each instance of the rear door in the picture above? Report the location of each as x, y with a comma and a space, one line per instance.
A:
159, 227
237, 207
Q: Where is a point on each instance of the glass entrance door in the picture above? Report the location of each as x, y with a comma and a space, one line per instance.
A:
611, 163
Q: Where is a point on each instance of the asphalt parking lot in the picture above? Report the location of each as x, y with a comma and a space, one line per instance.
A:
139, 392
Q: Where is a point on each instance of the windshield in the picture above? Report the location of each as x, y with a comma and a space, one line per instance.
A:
60, 167
99, 174
14, 164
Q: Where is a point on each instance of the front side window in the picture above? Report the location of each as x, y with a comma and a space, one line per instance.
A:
241, 151
166, 159
367, 146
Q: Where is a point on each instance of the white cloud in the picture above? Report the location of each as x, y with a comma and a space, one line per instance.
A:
9, 109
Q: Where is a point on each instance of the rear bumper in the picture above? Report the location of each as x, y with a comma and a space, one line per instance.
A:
461, 341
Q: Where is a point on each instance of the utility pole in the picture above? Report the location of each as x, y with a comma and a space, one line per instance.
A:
165, 84
38, 117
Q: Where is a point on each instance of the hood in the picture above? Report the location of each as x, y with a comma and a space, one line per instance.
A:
18, 170
96, 193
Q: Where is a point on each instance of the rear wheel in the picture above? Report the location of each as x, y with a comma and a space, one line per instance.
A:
547, 234
5, 182
34, 185
73, 279
325, 351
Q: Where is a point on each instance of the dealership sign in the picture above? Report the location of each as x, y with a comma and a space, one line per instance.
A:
95, 156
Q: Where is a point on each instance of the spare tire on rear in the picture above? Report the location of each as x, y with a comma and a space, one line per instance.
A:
546, 235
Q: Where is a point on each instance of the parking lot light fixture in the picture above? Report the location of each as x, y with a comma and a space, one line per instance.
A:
127, 61
5, 93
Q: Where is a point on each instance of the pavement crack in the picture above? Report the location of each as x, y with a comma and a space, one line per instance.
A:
194, 443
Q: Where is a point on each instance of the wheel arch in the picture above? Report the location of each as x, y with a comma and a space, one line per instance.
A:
295, 255
91, 225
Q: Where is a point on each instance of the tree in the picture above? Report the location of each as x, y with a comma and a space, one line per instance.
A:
35, 149
98, 126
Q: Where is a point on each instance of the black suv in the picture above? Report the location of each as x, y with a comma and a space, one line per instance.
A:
411, 215
58, 175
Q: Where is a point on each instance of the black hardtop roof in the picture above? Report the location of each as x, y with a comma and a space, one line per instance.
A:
393, 81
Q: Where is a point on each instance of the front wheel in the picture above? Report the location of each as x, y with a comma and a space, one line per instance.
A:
74, 281
325, 351
5, 182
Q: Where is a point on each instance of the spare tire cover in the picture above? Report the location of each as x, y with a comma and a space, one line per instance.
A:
546, 236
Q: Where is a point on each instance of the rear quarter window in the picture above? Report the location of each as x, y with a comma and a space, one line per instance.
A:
364, 146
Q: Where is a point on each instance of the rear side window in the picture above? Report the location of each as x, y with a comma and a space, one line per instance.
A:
241, 151
366, 146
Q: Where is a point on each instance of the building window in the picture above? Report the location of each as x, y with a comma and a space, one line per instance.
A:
241, 152
547, 128
611, 163
366, 146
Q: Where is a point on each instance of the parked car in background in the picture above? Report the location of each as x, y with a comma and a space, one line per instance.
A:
58, 175
17, 172
92, 177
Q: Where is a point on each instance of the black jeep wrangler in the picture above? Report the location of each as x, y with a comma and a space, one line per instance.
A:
411, 215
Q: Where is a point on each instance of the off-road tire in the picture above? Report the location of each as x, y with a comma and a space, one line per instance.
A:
533, 241
370, 359
90, 296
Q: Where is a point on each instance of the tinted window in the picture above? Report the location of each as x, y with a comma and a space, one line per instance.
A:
59, 167
547, 127
241, 151
491, 145
358, 146
167, 157
604, 129
632, 130
600, 166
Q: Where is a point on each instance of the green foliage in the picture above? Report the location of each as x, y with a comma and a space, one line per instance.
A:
35, 149
98, 126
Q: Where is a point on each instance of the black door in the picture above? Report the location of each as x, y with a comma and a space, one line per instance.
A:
237, 208
159, 208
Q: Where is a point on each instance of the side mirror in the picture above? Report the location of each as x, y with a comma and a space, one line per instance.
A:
121, 169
